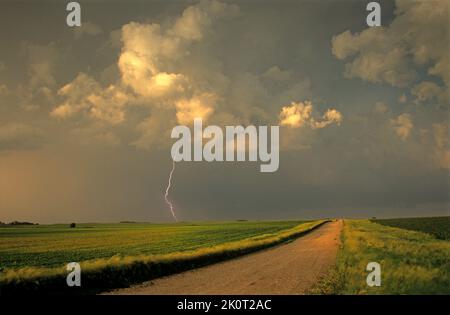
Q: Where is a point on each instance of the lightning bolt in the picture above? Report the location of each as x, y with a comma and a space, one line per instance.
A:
169, 203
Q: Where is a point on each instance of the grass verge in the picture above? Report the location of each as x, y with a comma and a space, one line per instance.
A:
411, 262
121, 271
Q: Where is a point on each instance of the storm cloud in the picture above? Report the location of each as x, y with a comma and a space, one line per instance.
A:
86, 114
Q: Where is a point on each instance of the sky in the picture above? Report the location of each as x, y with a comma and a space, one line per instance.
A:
86, 112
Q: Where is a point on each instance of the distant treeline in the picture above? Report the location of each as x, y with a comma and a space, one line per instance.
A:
18, 223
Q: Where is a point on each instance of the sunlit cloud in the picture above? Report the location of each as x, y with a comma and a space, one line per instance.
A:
402, 125
299, 114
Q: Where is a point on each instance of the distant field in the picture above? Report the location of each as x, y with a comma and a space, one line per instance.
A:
437, 226
56, 245
411, 262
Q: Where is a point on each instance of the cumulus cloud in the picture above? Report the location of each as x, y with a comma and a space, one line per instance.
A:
296, 114
300, 114
108, 105
330, 116
75, 94
143, 53
84, 94
154, 80
201, 106
402, 125
418, 36
149, 50
149, 74
373, 60
428, 91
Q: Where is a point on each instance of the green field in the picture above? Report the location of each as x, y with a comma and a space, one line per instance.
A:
411, 262
436, 226
117, 255
56, 245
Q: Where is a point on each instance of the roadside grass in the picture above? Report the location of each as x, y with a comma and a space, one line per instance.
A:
411, 262
121, 271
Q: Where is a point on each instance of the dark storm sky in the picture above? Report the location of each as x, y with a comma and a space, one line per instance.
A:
86, 113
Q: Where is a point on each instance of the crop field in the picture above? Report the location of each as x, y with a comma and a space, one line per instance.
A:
56, 245
437, 226
411, 262
117, 255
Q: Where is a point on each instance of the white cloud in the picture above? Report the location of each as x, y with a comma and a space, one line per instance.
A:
154, 79
108, 105
148, 64
149, 50
402, 125
418, 36
84, 94
331, 116
427, 91
201, 106
296, 114
75, 94
299, 114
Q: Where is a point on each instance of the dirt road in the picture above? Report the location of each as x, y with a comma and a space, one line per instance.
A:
286, 269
